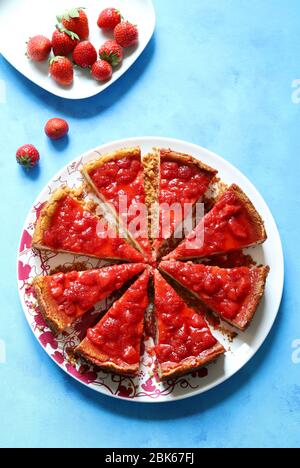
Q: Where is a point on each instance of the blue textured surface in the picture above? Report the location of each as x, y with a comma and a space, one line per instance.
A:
218, 74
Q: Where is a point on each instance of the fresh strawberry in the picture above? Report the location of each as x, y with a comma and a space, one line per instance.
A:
64, 41
38, 48
61, 70
56, 128
28, 156
75, 20
109, 18
126, 34
111, 52
84, 54
102, 70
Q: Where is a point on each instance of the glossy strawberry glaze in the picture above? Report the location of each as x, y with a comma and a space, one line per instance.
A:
223, 290
118, 335
179, 183
182, 332
75, 230
228, 226
232, 259
76, 292
121, 178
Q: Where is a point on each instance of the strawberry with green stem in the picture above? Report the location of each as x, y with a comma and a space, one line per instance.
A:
75, 20
111, 52
27, 156
64, 41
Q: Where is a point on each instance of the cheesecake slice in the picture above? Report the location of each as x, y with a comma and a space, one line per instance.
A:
66, 225
233, 294
178, 181
118, 180
64, 297
232, 224
114, 344
184, 341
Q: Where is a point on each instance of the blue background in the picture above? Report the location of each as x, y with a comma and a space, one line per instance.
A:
217, 73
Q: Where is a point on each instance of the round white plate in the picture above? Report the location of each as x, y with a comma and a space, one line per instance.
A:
145, 388
41, 19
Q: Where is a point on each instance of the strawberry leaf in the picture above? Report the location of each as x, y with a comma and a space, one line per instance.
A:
72, 35
121, 16
74, 13
69, 14
26, 161
66, 16
110, 57
55, 59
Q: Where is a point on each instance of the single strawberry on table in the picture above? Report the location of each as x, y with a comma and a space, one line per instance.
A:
38, 48
109, 18
84, 54
27, 156
75, 20
111, 52
61, 70
64, 41
126, 34
56, 128
102, 70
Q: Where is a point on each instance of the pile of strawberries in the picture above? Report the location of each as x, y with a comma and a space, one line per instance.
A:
70, 45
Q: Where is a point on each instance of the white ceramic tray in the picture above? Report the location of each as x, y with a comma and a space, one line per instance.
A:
21, 19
